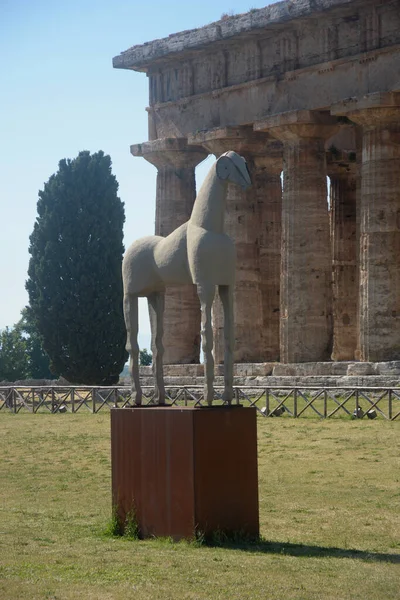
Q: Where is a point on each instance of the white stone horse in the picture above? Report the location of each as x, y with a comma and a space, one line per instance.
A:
198, 252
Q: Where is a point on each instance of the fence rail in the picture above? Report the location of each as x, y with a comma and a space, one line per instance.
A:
327, 402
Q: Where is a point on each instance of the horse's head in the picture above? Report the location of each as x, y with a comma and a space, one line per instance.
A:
233, 168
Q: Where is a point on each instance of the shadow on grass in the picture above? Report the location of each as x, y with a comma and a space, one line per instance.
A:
289, 549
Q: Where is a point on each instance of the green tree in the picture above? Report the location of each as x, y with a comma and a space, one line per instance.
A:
38, 360
13, 355
74, 277
145, 357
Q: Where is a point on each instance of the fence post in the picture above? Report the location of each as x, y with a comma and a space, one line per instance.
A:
325, 404
267, 402
33, 400
295, 403
8, 398
14, 400
94, 400
357, 405
185, 396
390, 405
237, 395
115, 398
73, 400
52, 400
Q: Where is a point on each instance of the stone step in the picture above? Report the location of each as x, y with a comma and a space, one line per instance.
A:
350, 368
312, 369
286, 381
197, 370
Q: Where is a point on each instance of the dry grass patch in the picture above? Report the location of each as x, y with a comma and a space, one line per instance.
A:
329, 512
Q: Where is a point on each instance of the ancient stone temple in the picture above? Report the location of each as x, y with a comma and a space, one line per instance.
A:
308, 91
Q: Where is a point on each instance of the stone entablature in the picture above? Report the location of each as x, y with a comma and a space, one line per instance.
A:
311, 88
280, 39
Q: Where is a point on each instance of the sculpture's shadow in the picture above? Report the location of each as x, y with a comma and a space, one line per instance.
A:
302, 550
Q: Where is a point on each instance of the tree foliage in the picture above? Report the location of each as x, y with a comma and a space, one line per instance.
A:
38, 359
21, 352
145, 357
13, 355
74, 277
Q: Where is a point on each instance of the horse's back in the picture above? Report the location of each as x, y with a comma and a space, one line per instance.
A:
171, 257
139, 270
212, 256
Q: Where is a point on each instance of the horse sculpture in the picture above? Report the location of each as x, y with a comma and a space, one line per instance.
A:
198, 252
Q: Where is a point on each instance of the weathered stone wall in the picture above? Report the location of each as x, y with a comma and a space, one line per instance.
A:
311, 88
299, 44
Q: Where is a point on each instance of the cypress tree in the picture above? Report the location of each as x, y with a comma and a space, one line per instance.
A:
74, 276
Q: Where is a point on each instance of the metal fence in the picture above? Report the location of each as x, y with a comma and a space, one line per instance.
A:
323, 403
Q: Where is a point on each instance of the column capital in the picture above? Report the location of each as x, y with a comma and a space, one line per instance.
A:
170, 152
372, 110
297, 124
258, 147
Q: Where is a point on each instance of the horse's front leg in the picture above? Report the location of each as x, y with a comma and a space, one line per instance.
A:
226, 295
156, 303
206, 295
132, 327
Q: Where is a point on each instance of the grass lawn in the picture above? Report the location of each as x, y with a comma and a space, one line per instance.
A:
329, 515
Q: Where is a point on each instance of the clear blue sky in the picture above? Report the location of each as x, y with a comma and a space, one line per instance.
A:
60, 95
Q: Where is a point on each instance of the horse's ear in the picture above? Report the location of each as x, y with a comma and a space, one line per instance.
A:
223, 167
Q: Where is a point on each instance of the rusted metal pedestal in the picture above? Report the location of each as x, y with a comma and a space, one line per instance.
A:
186, 469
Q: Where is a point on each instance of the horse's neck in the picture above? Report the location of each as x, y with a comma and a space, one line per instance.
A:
209, 207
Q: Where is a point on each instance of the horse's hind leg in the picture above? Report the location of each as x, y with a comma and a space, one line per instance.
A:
156, 312
206, 295
132, 326
226, 295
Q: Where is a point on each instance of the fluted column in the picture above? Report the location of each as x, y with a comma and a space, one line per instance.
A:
358, 135
379, 301
244, 222
343, 191
306, 272
268, 189
176, 193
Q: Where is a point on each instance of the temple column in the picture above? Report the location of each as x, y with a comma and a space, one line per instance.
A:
306, 272
268, 189
246, 213
358, 136
175, 196
343, 190
379, 300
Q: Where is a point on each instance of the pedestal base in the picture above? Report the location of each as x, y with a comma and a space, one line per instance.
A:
186, 470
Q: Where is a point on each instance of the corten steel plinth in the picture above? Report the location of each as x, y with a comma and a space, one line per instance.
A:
186, 470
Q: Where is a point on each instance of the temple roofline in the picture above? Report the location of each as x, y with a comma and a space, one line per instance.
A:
140, 57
